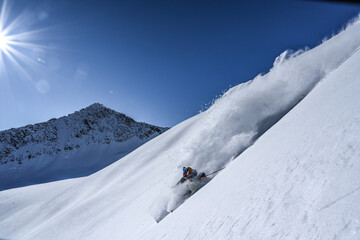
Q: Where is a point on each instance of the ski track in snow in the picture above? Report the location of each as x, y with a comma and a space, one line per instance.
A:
339, 199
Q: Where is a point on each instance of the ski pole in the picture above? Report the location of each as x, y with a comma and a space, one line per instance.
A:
215, 171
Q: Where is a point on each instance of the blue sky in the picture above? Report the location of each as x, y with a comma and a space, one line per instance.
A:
159, 62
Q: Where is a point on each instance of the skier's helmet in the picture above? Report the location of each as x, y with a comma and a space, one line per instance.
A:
185, 169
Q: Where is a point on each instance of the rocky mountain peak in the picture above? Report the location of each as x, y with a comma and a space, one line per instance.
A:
95, 124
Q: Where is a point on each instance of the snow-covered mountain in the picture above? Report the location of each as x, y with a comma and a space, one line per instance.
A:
71, 146
289, 141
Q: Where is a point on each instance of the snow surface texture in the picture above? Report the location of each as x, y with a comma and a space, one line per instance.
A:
297, 181
72, 146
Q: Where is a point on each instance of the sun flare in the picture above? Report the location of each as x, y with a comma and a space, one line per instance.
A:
4, 42
18, 43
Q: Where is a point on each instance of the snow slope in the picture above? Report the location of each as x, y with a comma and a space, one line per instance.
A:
286, 185
299, 181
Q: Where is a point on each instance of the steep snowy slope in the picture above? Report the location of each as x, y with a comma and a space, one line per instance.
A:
122, 200
72, 146
300, 180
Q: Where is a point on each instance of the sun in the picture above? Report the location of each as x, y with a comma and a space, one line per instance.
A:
4, 42
18, 45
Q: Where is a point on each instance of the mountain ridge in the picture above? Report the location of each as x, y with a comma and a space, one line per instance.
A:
93, 125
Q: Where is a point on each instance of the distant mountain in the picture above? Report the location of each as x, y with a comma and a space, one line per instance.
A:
72, 146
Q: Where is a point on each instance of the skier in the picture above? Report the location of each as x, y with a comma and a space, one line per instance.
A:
190, 174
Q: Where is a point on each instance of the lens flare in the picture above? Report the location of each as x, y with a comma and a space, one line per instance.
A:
18, 41
3, 42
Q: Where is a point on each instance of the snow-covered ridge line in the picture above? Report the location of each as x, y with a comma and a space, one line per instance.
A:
94, 125
246, 111
299, 181
237, 119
